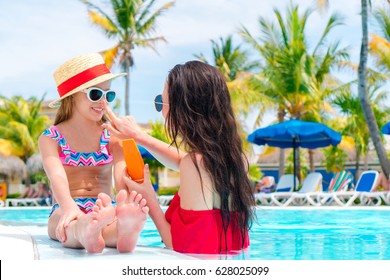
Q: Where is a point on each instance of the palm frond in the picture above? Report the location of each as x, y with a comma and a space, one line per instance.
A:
383, 19
380, 49
103, 22
110, 56
334, 20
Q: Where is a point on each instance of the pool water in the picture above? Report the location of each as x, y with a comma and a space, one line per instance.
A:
280, 234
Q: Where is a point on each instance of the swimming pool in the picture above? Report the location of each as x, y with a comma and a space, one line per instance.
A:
285, 234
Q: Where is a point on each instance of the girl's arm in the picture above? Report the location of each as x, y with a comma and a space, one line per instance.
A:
115, 147
59, 182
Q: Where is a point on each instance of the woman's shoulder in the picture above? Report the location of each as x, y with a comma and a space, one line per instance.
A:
196, 189
192, 163
187, 161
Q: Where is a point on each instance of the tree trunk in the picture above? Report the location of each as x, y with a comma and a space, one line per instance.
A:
281, 115
311, 160
281, 162
298, 163
357, 163
127, 90
364, 102
366, 161
298, 154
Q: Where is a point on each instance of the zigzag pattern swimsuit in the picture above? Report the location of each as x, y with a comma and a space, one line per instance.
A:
73, 158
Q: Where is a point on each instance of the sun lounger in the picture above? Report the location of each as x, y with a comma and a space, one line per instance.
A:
386, 196
341, 181
22, 202
308, 193
362, 195
38, 201
285, 185
164, 200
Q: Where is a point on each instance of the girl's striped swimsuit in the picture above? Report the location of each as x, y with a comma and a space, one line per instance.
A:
73, 158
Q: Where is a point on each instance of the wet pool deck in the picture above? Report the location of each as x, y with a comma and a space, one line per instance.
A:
31, 242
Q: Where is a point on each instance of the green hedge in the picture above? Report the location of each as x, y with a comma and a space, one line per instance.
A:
167, 191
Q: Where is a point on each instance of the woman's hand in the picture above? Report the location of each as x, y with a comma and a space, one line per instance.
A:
67, 217
123, 127
145, 189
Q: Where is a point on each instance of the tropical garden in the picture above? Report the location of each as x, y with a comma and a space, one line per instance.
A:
272, 70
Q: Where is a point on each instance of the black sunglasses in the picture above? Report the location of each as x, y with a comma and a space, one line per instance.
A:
95, 94
158, 103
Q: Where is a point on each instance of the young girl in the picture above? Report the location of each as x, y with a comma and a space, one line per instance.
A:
79, 157
213, 210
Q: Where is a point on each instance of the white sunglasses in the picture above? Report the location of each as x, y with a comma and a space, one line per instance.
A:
95, 94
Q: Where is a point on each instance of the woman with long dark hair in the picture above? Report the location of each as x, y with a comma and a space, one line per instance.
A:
213, 209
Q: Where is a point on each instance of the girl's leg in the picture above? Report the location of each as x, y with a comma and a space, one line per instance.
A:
86, 231
131, 214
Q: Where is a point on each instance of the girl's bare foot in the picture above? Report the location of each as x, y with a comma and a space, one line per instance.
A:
89, 227
131, 212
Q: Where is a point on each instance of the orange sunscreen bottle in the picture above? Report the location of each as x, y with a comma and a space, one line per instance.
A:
134, 161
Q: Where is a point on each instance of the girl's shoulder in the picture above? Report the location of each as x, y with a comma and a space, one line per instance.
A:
50, 129
115, 145
52, 133
114, 140
47, 140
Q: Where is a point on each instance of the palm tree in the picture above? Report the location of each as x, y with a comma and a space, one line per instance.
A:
230, 60
363, 96
355, 126
334, 159
236, 67
380, 44
20, 126
362, 89
296, 78
130, 22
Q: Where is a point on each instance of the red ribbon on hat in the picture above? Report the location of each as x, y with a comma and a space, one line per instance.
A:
81, 78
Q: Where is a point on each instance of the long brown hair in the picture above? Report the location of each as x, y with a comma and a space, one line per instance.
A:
201, 117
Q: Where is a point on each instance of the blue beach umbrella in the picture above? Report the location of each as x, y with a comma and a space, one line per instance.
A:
386, 128
145, 153
295, 133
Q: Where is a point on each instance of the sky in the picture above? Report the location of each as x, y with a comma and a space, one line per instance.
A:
38, 36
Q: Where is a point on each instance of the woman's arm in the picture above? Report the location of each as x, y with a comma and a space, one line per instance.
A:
127, 127
155, 211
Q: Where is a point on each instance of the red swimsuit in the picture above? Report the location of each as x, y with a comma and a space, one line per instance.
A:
201, 231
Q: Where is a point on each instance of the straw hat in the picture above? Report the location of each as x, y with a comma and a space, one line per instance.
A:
80, 73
